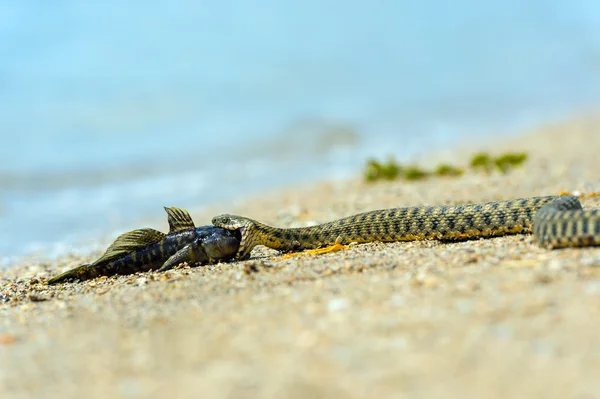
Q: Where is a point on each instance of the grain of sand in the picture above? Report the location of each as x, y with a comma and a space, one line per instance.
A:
495, 318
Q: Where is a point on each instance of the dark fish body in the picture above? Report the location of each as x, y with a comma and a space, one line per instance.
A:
150, 258
147, 249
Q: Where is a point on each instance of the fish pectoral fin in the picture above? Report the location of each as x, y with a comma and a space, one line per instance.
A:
179, 219
185, 254
129, 242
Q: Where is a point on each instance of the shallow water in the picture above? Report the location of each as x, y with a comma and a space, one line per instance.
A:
107, 113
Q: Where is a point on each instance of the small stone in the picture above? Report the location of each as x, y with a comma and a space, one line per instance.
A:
398, 300
250, 268
142, 281
465, 306
556, 264
544, 278
335, 305
592, 288
591, 261
102, 291
7, 339
519, 263
28, 306
306, 339
37, 297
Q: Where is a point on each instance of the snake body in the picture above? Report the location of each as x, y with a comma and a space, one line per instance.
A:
555, 221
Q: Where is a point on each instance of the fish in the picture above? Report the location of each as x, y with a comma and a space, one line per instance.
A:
148, 249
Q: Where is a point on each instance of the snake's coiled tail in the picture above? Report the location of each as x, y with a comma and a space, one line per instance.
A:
564, 223
557, 221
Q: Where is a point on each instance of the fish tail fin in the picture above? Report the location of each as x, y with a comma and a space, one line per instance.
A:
83, 272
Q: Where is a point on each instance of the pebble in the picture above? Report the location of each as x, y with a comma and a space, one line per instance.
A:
7, 339
591, 261
337, 304
592, 287
465, 306
397, 300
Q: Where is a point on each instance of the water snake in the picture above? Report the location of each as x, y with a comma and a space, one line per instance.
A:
555, 221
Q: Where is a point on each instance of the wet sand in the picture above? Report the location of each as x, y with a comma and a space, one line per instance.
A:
495, 318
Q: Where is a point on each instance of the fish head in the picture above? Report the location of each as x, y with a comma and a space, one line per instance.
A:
221, 244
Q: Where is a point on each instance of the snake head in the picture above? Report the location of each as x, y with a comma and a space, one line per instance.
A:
245, 227
231, 222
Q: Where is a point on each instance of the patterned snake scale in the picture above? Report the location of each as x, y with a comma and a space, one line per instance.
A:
555, 221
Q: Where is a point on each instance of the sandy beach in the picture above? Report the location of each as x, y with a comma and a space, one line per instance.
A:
495, 318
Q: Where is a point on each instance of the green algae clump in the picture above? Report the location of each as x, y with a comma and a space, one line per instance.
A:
391, 170
448, 170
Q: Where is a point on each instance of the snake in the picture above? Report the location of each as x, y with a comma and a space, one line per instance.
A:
555, 221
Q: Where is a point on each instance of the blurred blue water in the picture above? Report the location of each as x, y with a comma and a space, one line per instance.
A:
109, 110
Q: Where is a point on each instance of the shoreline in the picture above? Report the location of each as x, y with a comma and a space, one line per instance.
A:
483, 318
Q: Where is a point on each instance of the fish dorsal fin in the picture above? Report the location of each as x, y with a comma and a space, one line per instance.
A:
179, 219
130, 241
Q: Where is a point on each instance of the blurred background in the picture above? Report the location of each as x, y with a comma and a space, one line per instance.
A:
109, 110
